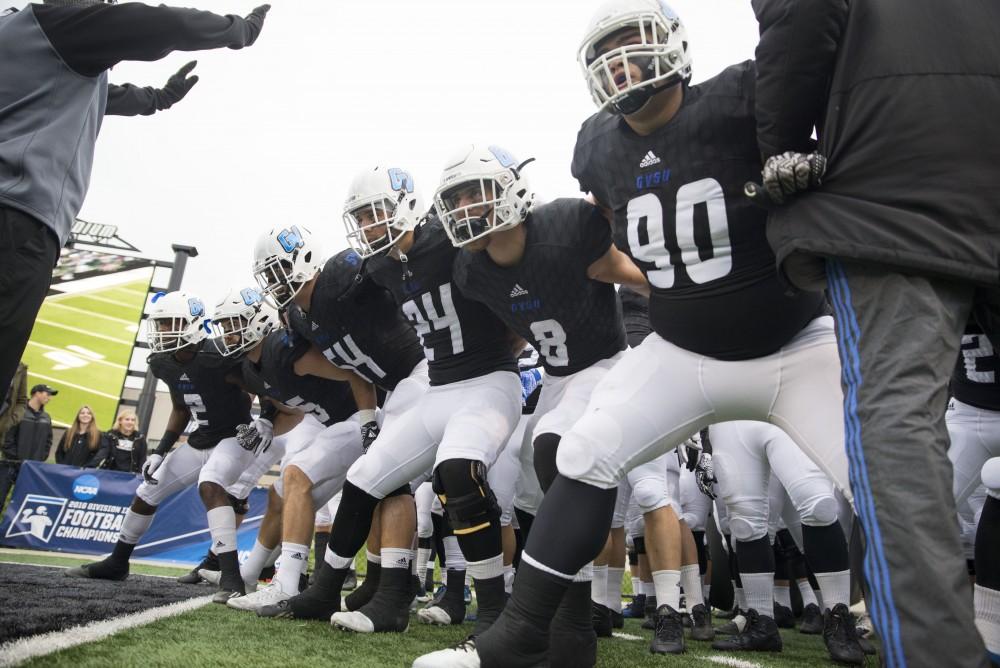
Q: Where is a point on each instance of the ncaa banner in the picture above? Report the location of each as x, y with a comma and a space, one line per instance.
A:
69, 509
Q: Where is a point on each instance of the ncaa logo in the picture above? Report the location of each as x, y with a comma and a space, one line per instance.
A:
86, 487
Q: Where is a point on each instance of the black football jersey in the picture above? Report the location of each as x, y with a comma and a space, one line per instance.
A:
217, 405
357, 326
635, 313
976, 379
546, 298
680, 213
462, 339
329, 401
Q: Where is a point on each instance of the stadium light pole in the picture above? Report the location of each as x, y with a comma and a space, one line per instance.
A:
147, 397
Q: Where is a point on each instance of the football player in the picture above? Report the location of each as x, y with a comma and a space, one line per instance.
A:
356, 325
458, 427
669, 160
198, 377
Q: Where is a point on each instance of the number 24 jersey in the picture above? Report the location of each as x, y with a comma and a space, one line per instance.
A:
680, 213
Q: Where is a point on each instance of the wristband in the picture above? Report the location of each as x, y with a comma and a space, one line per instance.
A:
167, 442
367, 415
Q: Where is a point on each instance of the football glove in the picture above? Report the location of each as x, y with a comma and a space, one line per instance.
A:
704, 475
256, 21
149, 468
790, 173
530, 378
689, 451
255, 437
177, 87
369, 432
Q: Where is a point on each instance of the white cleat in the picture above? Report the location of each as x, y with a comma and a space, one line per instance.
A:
462, 655
352, 621
270, 594
434, 615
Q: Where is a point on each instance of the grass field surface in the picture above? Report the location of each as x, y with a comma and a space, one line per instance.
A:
213, 635
81, 345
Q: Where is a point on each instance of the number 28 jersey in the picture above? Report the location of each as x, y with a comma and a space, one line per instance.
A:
680, 213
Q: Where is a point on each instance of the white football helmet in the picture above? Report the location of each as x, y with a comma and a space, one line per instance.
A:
482, 190
284, 258
380, 201
242, 319
175, 320
661, 54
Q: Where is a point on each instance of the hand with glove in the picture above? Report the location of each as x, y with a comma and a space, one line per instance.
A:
704, 475
369, 432
149, 468
689, 451
255, 437
256, 21
177, 87
790, 173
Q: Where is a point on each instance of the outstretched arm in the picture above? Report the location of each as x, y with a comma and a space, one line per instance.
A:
315, 364
129, 100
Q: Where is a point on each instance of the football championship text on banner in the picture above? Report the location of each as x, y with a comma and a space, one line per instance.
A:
69, 509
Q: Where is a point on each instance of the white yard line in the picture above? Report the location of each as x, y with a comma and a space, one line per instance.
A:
85, 295
62, 383
19, 651
88, 359
625, 636
124, 342
730, 661
90, 314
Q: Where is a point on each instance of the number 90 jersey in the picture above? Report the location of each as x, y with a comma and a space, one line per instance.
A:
680, 213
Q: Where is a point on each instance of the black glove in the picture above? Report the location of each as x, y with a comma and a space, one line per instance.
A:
256, 21
177, 87
369, 432
689, 451
790, 173
704, 475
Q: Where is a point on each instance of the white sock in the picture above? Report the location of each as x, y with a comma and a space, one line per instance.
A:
649, 588
134, 526
222, 526
585, 574
806, 590
339, 562
485, 569
759, 591
613, 593
599, 585
637, 586
667, 587
987, 605
836, 588
423, 556
370, 558
741, 598
453, 558
508, 578
259, 556
272, 559
294, 559
691, 581
396, 557
782, 595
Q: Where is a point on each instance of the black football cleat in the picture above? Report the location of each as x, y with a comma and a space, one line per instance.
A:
636, 609
812, 620
209, 563
668, 632
734, 625
320, 600
617, 620
701, 623
650, 622
107, 569
840, 634
600, 615
572, 637
512, 642
760, 635
783, 616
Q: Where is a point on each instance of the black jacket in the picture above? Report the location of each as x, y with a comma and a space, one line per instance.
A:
904, 95
79, 452
123, 453
31, 438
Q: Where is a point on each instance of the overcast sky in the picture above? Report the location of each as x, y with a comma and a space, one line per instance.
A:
271, 135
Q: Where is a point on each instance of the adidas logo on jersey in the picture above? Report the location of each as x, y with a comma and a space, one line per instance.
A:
649, 160
518, 291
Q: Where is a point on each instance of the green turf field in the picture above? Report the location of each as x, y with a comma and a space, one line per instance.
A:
218, 636
81, 345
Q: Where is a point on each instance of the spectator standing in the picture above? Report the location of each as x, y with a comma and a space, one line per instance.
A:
52, 104
125, 445
28, 440
14, 401
81, 444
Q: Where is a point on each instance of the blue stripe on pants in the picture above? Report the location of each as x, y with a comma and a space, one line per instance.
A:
884, 612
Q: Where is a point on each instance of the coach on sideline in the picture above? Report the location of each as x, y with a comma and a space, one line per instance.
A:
54, 93
904, 96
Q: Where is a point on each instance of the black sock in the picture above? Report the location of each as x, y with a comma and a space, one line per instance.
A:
490, 600
536, 596
455, 586
755, 556
439, 536
320, 540
825, 548
572, 526
369, 586
122, 552
780, 564
734, 564
353, 521
988, 545
518, 548
699, 544
229, 564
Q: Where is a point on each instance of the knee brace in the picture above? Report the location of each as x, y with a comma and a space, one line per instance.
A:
546, 446
747, 521
820, 512
466, 495
240, 506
